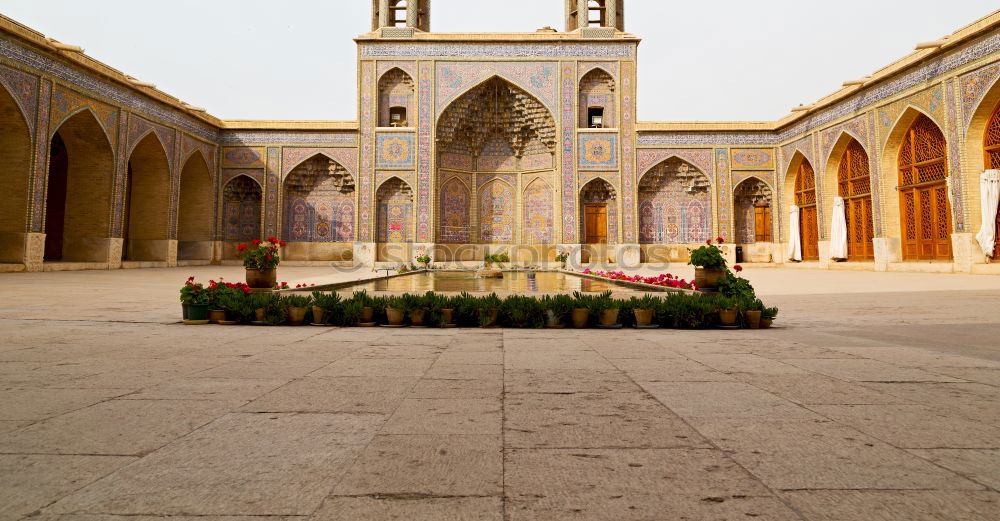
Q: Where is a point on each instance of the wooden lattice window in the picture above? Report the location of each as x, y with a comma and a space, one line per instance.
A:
805, 199
923, 192
854, 185
991, 147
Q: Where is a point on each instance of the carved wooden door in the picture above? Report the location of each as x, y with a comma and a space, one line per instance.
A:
991, 147
596, 223
805, 199
854, 185
762, 223
923, 193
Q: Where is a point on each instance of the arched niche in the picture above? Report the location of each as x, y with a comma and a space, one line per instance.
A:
496, 205
675, 204
597, 105
319, 202
15, 173
982, 152
396, 96
78, 192
147, 202
395, 222
538, 213
799, 189
848, 175
454, 212
195, 210
242, 199
753, 202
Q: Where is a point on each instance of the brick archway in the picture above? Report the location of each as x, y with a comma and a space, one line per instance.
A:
195, 210
147, 202
15, 165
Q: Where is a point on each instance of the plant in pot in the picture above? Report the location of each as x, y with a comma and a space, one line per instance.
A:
581, 309
606, 309
326, 308
395, 311
643, 309
767, 317
556, 308
367, 315
728, 311
488, 308
194, 299
237, 304
446, 311
709, 265
752, 311
522, 311
425, 260
260, 303
561, 258
350, 313
260, 259
215, 290
416, 306
276, 312
297, 307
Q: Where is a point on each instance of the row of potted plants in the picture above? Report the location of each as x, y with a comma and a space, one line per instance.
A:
236, 305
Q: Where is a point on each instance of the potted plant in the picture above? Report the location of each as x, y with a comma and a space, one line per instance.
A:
297, 306
728, 310
643, 309
489, 306
234, 300
767, 317
753, 310
710, 265
606, 309
326, 307
193, 294
260, 259
561, 258
581, 309
425, 260
417, 308
446, 311
367, 313
395, 311
556, 308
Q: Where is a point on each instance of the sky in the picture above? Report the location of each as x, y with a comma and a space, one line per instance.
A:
703, 60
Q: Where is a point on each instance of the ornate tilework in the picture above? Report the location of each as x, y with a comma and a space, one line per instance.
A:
384, 66
453, 227
954, 159
874, 166
503, 50
346, 138
628, 151
367, 174
828, 138
394, 150
241, 210
456, 78
139, 128
272, 196
568, 122
381, 176
228, 174
41, 159
188, 145
425, 137
121, 178
243, 157
803, 145
612, 178
765, 177
929, 101
395, 212
675, 204
753, 158
537, 162
317, 210
496, 212
598, 151
539, 214
66, 102
723, 188
707, 138
973, 87
23, 87
609, 67
647, 158
456, 161
292, 157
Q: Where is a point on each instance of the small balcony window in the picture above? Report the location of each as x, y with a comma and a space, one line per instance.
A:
595, 117
397, 116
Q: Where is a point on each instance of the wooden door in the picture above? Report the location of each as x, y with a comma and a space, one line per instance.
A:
595, 223
805, 199
762, 223
991, 147
854, 185
923, 193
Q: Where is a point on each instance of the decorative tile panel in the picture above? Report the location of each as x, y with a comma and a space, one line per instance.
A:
701, 158
725, 193
292, 157
395, 150
66, 102
23, 87
538, 213
367, 144
536, 78
568, 123
753, 158
628, 151
598, 151
973, 87
425, 130
954, 158
500, 50
243, 157
42, 145
188, 145
455, 211
272, 197
348, 138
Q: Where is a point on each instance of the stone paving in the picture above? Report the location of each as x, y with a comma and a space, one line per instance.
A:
877, 402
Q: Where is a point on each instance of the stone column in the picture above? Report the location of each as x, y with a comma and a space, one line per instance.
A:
612, 10
412, 10
383, 13
582, 13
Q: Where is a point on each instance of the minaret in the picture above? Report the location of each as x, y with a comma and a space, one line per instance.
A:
401, 14
583, 14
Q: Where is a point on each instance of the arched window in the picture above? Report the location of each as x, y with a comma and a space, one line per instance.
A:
854, 185
396, 94
991, 147
397, 13
597, 13
805, 199
923, 192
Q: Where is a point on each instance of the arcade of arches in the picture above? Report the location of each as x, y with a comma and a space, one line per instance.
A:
531, 148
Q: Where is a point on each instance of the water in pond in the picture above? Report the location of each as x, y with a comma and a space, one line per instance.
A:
512, 281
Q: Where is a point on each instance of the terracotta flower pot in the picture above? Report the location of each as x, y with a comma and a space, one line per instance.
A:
296, 316
727, 317
643, 317
367, 313
765, 323
318, 315
446, 315
609, 317
216, 315
753, 319
395, 316
262, 278
580, 316
417, 317
491, 318
708, 279
260, 314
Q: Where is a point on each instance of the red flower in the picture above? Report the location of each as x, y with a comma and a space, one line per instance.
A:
709, 242
272, 239
738, 268
282, 243
719, 240
268, 257
256, 242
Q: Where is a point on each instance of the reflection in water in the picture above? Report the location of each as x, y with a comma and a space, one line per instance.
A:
512, 281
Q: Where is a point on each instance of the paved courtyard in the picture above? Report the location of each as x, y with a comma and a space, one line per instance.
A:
876, 399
